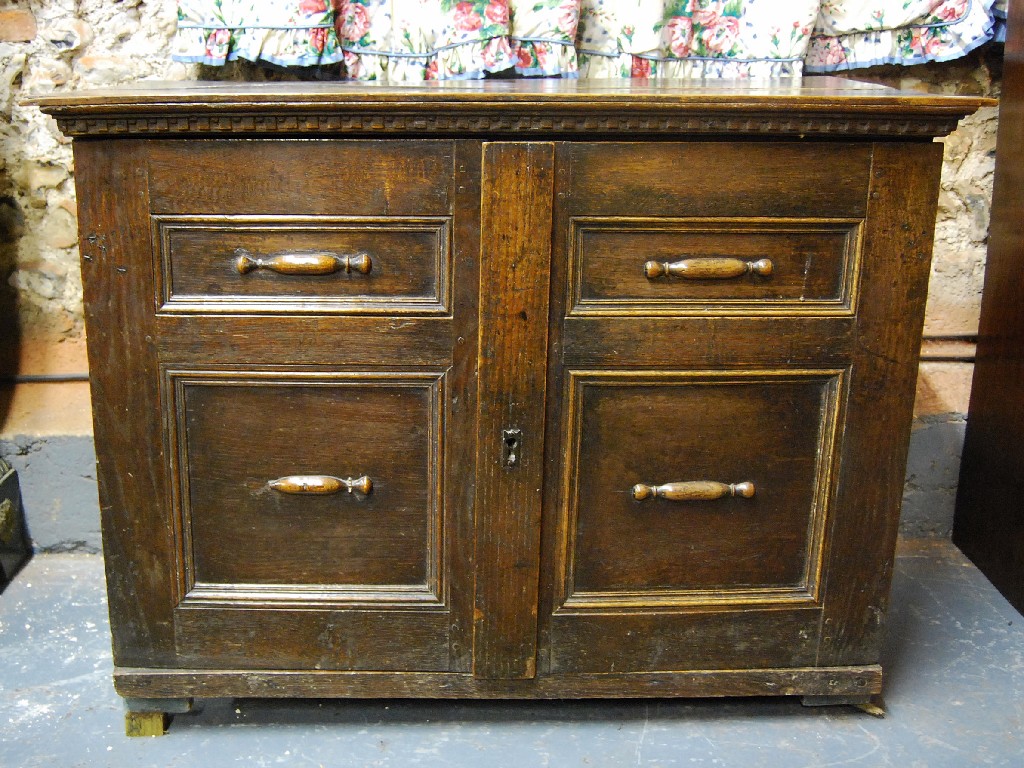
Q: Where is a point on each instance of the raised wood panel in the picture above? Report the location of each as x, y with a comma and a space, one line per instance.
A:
236, 433
794, 266
340, 581
685, 390
409, 264
775, 430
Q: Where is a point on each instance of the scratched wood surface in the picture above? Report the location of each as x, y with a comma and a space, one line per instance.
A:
516, 218
138, 535
869, 485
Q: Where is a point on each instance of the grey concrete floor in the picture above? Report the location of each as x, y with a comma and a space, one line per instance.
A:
954, 689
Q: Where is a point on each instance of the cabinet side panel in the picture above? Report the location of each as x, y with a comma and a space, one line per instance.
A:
514, 273
862, 538
117, 278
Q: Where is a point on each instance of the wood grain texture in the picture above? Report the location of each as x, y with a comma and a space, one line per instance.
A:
732, 582
138, 533
988, 525
364, 638
461, 409
322, 178
696, 342
865, 515
801, 107
773, 266
632, 640
806, 681
718, 179
516, 224
405, 264
319, 340
635, 428
256, 568
238, 433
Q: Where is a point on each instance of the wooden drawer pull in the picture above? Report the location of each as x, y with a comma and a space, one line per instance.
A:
303, 262
321, 485
711, 268
697, 490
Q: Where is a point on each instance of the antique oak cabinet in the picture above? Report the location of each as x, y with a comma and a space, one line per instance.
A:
502, 389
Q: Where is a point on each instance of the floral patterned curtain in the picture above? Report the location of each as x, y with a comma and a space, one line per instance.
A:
414, 40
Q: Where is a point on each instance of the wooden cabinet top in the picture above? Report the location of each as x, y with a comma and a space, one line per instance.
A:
520, 108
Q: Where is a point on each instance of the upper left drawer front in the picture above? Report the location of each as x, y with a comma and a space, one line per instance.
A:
302, 226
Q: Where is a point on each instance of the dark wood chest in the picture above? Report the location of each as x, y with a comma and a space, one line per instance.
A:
536, 389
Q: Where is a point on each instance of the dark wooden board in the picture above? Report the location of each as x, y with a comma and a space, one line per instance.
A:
516, 192
861, 538
806, 681
989, 524
138, 534
796, 107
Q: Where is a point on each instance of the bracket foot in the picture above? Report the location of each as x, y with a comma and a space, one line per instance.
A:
150, 717
145, 723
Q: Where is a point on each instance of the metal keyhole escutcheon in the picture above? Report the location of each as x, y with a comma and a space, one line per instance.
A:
511, 441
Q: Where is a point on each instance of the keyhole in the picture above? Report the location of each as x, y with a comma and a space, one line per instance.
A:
511, 439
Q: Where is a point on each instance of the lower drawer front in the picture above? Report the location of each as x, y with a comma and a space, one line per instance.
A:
251, 448
694, 528
697, 487
311, 518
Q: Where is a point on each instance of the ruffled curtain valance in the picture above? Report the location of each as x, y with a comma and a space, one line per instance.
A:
413, 40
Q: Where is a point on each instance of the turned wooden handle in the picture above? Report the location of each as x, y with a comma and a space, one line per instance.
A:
321, 485
697, 490
710, 268
303, 262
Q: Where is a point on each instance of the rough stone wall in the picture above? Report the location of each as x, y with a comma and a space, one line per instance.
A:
46, 46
